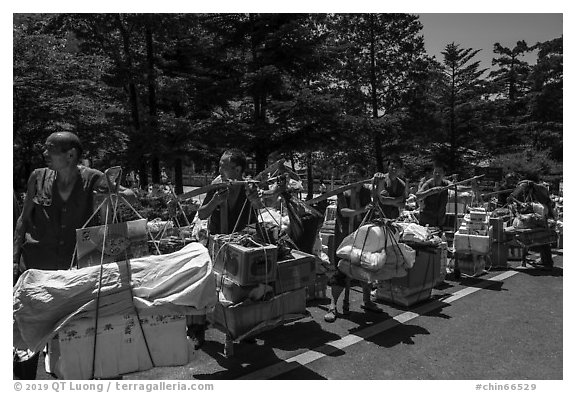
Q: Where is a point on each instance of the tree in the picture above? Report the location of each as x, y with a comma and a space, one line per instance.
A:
58, 88
510, 80
380, 57
462, 90
545, 103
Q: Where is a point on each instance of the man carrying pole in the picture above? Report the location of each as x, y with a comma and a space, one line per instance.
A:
351, 206
434, 193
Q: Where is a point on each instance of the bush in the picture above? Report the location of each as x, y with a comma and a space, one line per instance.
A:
527, 162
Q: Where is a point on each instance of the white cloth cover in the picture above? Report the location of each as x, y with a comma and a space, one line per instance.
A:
44, 301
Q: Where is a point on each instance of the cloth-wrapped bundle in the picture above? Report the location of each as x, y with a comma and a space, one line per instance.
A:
44, 301
373, 253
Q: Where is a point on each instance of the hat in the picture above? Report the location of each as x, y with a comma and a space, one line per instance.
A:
65, 140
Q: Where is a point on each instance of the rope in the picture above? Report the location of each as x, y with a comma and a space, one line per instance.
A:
129, 272
140, 216
98, 297
84, 226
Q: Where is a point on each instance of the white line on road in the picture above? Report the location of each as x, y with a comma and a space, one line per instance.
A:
351, 339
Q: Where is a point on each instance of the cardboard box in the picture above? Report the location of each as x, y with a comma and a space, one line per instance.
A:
118, 242
497, 226
121, 347
243, 265
249, 318
295, 273
499, 255
232, 291
471, 265
401, 296
417, 285
471, 244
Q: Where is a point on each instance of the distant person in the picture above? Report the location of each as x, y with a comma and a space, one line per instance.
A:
227, 210
505, 189
350, 208
163, 176
434, 195
390, 190
529, 191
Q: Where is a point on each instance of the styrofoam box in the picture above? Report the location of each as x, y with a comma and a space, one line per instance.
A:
121, 347
471, 244
244, 265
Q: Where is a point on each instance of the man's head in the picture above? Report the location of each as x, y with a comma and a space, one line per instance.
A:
232, 164
356, 172
62, 149
511, 179
395, 165
438, 171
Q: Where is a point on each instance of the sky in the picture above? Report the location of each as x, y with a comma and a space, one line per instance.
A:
481, 31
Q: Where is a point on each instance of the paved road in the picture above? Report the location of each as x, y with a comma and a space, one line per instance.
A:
506, 324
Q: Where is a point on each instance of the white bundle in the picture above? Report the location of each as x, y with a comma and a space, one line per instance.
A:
368, 260
372, 238
415, 232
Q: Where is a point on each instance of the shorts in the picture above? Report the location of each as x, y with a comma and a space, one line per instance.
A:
339, 279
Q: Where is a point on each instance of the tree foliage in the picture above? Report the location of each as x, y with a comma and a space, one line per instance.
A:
175, 90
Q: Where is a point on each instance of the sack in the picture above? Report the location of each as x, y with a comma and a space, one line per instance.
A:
371, 237
528, 221
305, 223
414, 232
357, 272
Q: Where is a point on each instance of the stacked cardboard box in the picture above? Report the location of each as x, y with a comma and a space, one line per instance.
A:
246, 306
500, 247
122, 346
471, 264
417, 285
249, 318
472, 236
243, 265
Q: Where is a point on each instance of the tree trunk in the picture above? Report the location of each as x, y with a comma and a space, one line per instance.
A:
153, 128
143, 174
453, 146
138, 140
179, 186
309, 176
374, 98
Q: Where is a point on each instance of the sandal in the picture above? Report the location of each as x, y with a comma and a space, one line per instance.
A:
331, 315
371, 306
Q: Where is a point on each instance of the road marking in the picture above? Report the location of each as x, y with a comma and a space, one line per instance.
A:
351, 339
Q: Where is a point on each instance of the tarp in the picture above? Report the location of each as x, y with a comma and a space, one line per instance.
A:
44, 301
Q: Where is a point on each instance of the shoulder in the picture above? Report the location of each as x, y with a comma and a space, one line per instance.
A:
427, 184
90, 172
217, 180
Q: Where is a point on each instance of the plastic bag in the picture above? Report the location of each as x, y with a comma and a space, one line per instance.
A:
305, 223
415, 232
